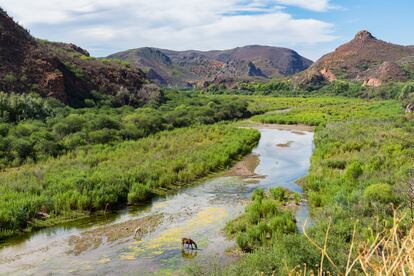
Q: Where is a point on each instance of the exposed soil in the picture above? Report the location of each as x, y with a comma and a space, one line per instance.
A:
110, 233
298, 132
246, 167
279, 111
284, 145
294, 128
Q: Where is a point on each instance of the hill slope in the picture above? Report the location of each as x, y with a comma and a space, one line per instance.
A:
59, 70
366, 59
187, 68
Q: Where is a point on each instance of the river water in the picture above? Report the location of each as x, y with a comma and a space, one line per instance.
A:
199, 212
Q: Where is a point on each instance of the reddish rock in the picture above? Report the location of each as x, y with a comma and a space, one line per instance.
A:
63, 71
365, 58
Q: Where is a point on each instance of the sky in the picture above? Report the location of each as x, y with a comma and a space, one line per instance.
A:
310, 27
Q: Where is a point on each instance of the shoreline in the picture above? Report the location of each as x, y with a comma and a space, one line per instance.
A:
294, 127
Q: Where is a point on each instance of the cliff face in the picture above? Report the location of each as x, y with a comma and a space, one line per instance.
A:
366, 59
59, 70
186, 68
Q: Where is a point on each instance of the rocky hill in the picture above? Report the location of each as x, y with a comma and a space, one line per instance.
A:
59, 70
365, 59
187, 68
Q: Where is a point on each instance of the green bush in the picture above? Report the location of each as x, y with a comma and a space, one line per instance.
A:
379, 193
353, 171
258, 194
278, 193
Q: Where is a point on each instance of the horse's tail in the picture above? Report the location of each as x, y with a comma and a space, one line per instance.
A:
195, 245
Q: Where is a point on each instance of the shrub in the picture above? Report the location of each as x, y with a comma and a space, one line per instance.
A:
278, 193
379, 193
258, 194
353, 171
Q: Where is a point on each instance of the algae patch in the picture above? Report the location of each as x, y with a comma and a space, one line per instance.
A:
169, 238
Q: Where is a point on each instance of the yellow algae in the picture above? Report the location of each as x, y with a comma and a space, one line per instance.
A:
88, 267
159, 252
209, 215
161, 205
104, 260
173, 235
129, 257
170, 238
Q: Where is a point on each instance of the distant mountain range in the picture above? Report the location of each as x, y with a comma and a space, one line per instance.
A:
365, 59
59, 70
68, 73
187, 68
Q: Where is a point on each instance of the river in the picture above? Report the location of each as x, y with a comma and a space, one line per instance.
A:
200, 212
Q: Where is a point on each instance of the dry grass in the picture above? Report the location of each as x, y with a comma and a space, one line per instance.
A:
391, 253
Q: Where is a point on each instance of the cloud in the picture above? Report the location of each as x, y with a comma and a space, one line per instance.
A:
106, 26
314, 5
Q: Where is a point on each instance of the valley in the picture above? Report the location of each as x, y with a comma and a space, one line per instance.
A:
200, 212
266, 162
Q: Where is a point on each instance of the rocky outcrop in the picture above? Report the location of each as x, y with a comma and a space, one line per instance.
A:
59, 70
327, 74
372, 82
365, 59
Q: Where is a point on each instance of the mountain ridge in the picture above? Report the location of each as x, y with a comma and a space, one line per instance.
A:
193, 67
365, 59
60, 70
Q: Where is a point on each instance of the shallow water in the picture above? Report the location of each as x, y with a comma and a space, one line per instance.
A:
199, 212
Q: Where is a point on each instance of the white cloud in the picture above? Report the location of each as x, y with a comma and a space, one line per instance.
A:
315, 5
106, 26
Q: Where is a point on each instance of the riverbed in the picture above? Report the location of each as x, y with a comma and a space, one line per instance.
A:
106, 244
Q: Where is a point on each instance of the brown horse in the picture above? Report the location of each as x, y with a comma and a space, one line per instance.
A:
188, 242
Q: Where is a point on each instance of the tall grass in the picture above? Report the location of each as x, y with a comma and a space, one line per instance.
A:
391, 252
364, 151
130, 172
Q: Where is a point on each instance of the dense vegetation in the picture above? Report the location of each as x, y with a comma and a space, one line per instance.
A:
74, 161
364, 152
33, 129
103, 176
265, 220
341, 88
319, 111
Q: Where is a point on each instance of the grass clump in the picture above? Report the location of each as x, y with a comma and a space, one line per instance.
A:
264, 221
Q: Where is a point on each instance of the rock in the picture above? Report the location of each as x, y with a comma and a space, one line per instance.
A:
42, 215
409, 108
63, 71
327, 74
363, 35
373, 82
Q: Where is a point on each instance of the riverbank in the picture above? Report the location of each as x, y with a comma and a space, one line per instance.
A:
360, 166
198, 211
106, 177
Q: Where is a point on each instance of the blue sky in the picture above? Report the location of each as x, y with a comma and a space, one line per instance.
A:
311, 27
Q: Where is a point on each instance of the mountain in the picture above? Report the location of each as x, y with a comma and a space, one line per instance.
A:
366, 59
60, 70
186, 68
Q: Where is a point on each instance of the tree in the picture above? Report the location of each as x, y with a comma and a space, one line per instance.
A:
407, 94
24, 149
